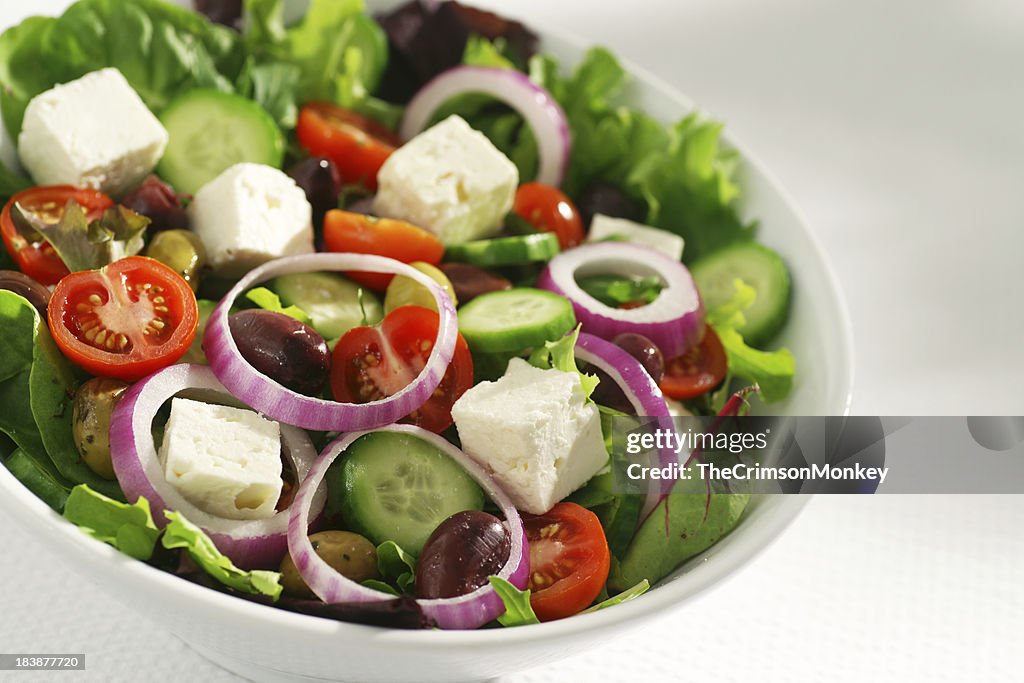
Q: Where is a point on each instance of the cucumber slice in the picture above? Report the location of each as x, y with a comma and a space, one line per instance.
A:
759, 267
331, 301
210, 131
395, 487
515, 319
506, 251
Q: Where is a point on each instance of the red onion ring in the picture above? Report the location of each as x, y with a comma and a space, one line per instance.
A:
538, 108
643, 394
674, 321
248, 542
468, 611
289, 407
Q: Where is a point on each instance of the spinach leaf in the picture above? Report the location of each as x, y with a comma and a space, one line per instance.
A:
396, 566
39, 478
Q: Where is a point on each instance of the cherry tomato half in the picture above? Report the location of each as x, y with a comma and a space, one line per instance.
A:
549, 210
371, 363
38, 260
126, 320
697, 371
362, 234
569, 560
357, 145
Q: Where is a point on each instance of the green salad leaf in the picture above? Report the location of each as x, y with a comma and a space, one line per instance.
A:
396, 567
83, 244
181, 533
163, 50
694, 515
561, 355
129, 528
269, 301
336, 53
36, 399
772, 371
625, 596
518, 611
37, 478
616, 290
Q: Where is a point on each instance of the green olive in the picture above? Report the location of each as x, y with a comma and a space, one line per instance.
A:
351, 555
90, 422
182, 250
404, 291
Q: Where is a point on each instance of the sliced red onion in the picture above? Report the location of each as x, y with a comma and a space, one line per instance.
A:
674, 321
538, 108
468, 611
248, 542
284, 405
641, 391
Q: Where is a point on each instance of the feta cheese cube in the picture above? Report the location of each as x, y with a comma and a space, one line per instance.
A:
450, 180
605, 227
226, 461
92, 132
250, 214
535, 432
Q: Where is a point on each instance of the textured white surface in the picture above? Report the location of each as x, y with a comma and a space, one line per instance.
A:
896, 128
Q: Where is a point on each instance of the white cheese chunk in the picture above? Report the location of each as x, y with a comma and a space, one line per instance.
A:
534, 431
450, 180
91, 132
226, 461
250, 214
605, 227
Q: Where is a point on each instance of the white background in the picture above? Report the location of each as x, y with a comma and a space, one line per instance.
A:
897, 128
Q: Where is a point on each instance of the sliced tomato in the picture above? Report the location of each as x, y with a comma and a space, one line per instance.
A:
697, 371
345, 231
126, 320
357, 145
38, 260
371, 363
569, 560
548, 209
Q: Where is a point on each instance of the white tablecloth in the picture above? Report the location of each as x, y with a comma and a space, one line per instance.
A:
897, 128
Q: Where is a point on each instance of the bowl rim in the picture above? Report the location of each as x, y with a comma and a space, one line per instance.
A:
768, 522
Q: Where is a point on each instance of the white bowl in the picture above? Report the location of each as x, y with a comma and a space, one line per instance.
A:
267, 644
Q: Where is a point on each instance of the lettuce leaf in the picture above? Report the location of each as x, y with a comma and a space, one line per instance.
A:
129, 528
396, 567
518, 611
772, 371
162, 50
625, 596
181, 533
561, 355
83, 244
269, 301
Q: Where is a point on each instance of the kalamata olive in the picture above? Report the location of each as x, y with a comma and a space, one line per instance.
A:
24, 286
349, 554
90, 422
470, 282
157, 201
227, 12
607, 199
290, 353
610, 394
645, 351
319, 179
183, 251
462, 552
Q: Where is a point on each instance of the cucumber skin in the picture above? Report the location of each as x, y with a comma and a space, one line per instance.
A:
714, 275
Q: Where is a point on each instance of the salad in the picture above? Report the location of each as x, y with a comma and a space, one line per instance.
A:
335, 316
